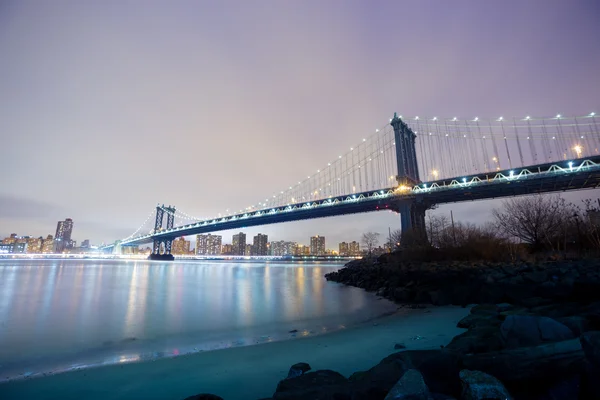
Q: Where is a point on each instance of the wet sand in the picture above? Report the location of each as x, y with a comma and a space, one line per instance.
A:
249, 372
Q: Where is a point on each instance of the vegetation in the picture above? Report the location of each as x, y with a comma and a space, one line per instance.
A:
522, 228
369, 241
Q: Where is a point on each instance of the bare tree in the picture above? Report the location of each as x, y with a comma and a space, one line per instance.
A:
370, 240
538, 220
396, 238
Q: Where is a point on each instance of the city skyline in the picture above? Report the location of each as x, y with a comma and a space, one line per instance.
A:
114, 106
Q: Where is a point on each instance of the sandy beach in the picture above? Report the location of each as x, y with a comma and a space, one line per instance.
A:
249, 372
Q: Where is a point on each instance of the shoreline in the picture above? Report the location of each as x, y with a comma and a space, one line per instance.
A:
256, 367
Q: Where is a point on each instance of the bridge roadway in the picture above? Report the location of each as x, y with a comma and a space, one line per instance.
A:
565, 175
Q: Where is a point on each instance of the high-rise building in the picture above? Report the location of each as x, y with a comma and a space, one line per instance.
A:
343, 247
34, 245
62, 239
180, 246
249, 250
208, 244
48, 245
239, 244
317, 245
259, 247
85, 244
354, 248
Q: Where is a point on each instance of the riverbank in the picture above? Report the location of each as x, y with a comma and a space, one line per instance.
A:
535, 333
249, 372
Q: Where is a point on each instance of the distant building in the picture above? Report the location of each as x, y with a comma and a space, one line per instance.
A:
19, 248
239, 244
11, 239
343, 249
85, 244
282, 248
48, 245
354, 248
301, 250
34, 245
208, 244
227, 249
259, 247
62, 239
180, 246
317, 245
6, 248
249, 250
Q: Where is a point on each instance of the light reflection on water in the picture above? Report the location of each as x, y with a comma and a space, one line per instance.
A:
57, 314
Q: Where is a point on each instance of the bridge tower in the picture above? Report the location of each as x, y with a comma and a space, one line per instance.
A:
161, 248
412, 214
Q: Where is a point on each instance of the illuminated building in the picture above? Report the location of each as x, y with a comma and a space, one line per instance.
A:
259, 247
48, 245
10, 240
239, 244
180, 246
6, 247
283, 248
62, 239
301, 250
227, 249
354, 248
34, 245
248, 251
317, 245
343, 247
208, 244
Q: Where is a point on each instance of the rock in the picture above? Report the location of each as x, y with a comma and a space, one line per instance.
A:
525, 330
438, 367
590, 343
503, 307
293, 331
478, 339
485, 309
318, 385
298, 369
473, 320
576, 324
204, 396
410, 387
519, 367
478, 385
399, 346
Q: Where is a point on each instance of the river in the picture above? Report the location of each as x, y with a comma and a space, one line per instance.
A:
59, 315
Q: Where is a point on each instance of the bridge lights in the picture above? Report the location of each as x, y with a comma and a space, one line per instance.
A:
578, 150
511, 173
464, 180
435, 173
570, 164
557, 116
592, 114
528, 117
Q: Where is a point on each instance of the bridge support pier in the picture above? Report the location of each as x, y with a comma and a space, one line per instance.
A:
412, 223
161, 249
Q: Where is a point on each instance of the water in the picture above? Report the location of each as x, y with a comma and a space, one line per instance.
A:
57, 315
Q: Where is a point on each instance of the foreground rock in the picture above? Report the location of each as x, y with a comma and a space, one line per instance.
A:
318, 385
410, 387
478, 385
298, 369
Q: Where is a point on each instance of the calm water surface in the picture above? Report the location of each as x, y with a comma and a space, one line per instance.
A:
57, 315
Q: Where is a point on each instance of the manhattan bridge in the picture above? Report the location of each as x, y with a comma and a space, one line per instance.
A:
411, 165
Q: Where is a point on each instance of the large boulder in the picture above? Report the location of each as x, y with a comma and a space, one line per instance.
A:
590, 342
527, 330
478, 339
318, 385
439, 369
298, 369
410, 387
204, 396
478, 385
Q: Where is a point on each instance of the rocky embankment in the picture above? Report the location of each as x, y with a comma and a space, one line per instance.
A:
535, 334
463, 283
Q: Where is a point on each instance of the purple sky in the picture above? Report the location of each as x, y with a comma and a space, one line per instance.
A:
107, 108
